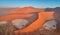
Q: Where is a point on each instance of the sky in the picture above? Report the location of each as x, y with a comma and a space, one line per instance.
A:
27, 3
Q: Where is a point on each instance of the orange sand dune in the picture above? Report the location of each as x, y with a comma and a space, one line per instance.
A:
28, 10
43, 16
14, 16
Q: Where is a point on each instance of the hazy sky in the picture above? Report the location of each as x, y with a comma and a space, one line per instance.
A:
34, 3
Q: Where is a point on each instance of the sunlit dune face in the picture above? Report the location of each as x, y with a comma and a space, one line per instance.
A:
15, 15
27, 10
20, 23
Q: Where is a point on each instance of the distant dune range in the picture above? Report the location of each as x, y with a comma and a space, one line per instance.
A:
9, 12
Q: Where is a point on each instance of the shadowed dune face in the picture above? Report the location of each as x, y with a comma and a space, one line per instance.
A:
6, 11
57, 17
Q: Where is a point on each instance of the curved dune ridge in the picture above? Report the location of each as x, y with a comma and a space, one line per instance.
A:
24, 12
